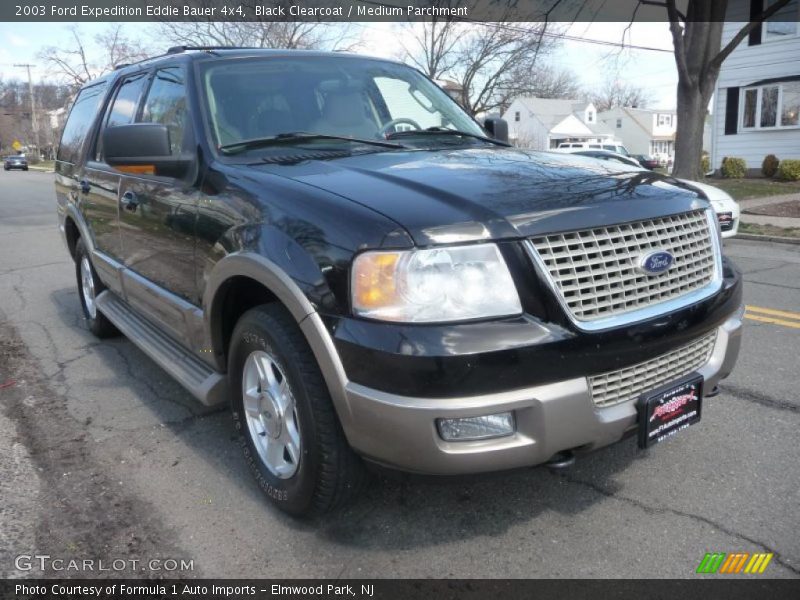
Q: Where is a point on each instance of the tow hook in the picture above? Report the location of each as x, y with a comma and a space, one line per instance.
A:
714, 392
561, 460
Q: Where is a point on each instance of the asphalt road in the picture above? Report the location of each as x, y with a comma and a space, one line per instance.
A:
102, 456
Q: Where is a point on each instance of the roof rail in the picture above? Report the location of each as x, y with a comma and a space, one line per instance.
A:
121, 66
179, 49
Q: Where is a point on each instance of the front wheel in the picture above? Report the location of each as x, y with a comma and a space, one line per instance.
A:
89, 287
289, 431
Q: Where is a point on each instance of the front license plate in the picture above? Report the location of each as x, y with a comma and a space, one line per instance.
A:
668, 411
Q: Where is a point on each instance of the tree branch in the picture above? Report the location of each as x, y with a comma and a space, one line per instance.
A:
716, 63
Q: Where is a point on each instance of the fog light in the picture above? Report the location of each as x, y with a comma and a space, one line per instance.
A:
476, 428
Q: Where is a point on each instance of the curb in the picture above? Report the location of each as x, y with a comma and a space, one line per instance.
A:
766, 238
41, 170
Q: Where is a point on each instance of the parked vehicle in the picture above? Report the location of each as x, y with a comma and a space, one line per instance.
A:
615, 147
15, 162
726, 208
647, 161
333, 246
610, 156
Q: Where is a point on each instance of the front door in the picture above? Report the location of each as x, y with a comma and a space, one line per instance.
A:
158, 214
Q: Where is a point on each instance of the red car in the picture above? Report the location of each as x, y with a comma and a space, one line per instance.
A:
648, 162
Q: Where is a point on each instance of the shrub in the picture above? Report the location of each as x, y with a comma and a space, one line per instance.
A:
733, 167
705, 164
770, 165
789, 169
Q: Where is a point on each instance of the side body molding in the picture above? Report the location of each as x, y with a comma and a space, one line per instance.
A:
272, 277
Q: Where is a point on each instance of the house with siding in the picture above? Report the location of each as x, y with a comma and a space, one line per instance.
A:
757, 97
643, 131
544, 123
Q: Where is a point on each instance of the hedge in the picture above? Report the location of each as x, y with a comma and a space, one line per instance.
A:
733, 167
789, 169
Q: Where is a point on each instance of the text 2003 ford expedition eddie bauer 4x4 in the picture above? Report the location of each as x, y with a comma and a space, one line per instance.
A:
332, 245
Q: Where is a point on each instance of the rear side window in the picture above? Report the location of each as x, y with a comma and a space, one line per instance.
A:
79, 122
166, 104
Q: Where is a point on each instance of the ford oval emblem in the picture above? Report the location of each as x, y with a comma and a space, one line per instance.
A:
656, 262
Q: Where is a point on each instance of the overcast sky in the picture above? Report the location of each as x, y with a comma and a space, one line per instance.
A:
591, 63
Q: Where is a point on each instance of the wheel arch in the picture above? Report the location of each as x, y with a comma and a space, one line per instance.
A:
244, 280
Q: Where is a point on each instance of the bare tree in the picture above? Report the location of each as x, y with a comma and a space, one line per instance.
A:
545, 81
76, 64
492, 62
433, 47
261, 34
616, 92
697, 40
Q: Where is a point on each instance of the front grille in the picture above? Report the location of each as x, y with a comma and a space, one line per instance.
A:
594, 270
631, 382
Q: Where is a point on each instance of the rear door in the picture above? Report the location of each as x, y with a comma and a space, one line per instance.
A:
101, 183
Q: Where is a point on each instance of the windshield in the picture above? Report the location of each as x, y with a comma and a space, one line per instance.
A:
343, 96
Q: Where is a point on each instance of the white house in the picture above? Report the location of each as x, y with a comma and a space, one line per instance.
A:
544, 123
643, 131
757, 98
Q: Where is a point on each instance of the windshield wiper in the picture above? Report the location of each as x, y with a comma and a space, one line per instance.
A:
444, 131
298, 136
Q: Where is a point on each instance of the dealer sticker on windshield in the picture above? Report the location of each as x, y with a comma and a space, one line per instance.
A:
673, 409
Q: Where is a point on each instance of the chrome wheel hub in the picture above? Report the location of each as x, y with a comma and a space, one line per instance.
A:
87, 287
271, 414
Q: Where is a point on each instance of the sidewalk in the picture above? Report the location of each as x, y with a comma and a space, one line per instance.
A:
768, 219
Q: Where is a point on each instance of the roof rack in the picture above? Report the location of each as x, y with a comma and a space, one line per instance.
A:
179, 49
121, 66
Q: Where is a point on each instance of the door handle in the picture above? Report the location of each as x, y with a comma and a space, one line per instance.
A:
129, 201
85, 186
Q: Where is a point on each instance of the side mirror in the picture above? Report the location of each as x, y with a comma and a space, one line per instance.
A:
497, 128
143, 149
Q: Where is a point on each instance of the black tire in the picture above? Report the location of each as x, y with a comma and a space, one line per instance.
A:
99, 325
24, 168
328, 473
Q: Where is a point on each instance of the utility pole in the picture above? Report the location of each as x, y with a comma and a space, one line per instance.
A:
34, 122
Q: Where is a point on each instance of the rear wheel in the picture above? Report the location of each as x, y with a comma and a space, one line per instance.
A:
89, 287
290, 434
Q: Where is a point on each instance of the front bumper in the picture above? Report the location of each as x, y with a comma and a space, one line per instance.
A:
400, 431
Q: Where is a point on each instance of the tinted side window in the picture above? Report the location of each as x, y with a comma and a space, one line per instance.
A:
122, 109
166, 104
79, 122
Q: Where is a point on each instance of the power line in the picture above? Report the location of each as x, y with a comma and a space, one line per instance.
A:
561, 36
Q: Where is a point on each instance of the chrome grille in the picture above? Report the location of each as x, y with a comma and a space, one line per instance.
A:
631, 382
594, 270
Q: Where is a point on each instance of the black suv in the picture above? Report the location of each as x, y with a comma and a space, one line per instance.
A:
332, 245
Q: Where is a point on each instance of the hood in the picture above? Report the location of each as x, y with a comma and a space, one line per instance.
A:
449, 196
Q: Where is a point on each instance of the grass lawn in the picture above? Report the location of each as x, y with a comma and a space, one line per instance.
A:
771, 230
741, 189
44, 165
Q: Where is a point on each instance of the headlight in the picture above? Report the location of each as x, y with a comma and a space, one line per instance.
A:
438, 284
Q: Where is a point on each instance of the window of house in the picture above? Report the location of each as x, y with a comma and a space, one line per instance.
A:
664, 120
619, 123
771, 106
516, 116
783, 24
590, 117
